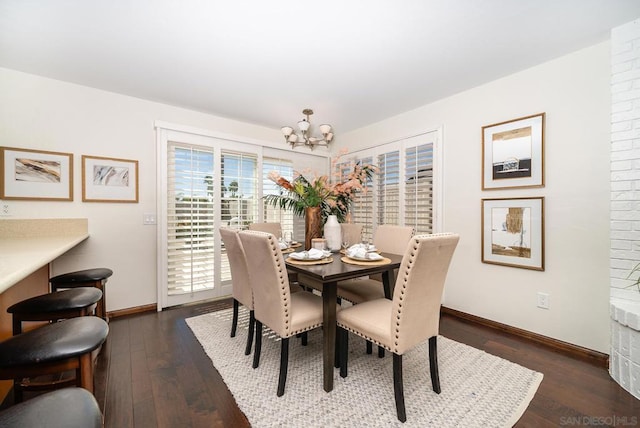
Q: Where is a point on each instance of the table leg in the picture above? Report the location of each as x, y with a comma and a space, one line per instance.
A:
386, 283
329, 296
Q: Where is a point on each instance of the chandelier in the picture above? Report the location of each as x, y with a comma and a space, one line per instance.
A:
304, 136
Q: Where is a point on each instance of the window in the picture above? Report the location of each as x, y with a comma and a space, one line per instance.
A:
361, 211
388, 189
238, 189
273, 214
190, 215
403, 188
418, 200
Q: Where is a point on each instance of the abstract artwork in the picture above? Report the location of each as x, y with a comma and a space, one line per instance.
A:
35, 175
109, 179
512, 232
513, 153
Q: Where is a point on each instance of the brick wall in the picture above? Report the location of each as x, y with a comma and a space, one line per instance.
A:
624, 362
625, 157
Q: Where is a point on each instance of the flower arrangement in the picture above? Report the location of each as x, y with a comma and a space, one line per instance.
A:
333, 197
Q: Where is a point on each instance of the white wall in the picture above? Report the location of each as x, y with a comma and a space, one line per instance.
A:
573, 91
45, 114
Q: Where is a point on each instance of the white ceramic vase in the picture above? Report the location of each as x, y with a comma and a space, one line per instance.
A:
332, 233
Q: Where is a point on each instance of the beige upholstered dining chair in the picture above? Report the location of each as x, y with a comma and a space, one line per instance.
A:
412, 316
388, 239
286, 313
241, 288
273, 228
276, 230
351, 233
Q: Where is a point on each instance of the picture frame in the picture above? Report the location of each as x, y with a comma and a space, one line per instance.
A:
36, 175
513, 153
513, 232
107, 179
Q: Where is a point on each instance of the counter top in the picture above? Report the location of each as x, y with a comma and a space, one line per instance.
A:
27, 245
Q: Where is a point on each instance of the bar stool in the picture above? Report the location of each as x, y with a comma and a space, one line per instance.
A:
69, 407
96, 277
75, 302
53, 348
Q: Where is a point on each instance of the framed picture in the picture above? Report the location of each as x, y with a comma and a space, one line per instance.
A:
109, 179
35, 175
513, 153
513, 232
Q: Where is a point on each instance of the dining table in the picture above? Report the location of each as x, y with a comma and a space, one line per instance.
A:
325, 277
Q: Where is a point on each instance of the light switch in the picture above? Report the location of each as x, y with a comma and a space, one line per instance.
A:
149, 219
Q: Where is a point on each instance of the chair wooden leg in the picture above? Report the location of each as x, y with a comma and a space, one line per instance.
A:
18, 395
252, 322
256, 352
234, 320
336, 354
344, 350
380, 352
284, 365
433, 364
369, 347
398, 388
85, 372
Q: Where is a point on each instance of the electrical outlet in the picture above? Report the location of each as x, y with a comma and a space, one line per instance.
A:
5, 209
543, 300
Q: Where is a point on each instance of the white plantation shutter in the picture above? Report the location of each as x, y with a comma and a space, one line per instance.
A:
239, 188
403, 192
418, 205
389, 188
361, 210
239, 196
272, 214
190, 219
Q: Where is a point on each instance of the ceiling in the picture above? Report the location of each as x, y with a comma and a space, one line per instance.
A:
354, 62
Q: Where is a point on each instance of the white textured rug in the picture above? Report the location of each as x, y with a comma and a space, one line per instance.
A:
478, 389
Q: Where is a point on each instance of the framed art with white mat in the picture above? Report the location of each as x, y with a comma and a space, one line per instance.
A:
35, 175
109, 179
513, 232
513, 153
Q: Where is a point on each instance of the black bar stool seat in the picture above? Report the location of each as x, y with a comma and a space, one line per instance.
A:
53, 348
55, 306
69, 407
96, 277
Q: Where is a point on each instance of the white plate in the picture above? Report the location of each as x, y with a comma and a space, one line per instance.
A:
320, 255
361, 259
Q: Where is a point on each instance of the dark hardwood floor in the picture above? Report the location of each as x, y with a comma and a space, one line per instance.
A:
153, 372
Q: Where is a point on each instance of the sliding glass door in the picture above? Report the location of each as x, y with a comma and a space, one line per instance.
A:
203, 186
190, 222
206, 183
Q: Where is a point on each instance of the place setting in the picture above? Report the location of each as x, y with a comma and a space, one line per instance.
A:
362, 254
313, 256
287, 244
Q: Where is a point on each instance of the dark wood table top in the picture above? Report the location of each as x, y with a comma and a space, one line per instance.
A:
339, 270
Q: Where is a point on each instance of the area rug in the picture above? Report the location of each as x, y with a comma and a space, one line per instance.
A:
478, 389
